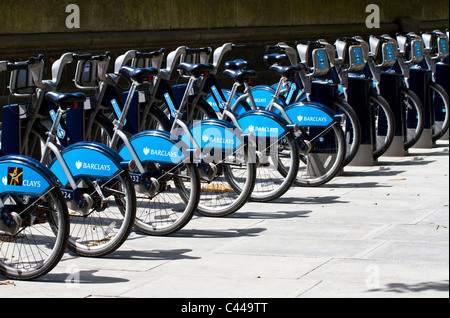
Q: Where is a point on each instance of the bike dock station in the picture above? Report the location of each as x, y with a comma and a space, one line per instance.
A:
390, 89
443, 79
358, 97
418, 81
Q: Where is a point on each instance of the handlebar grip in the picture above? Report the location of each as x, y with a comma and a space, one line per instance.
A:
34, 60
17, 66
199, 50
239, 46
150, 54
82, 57
270, 48
102, 57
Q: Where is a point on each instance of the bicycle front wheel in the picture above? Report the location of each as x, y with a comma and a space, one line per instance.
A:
41, 241
351, 128
440, 102
384, 124
414, 117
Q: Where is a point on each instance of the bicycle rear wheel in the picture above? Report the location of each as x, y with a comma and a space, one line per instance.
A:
323, 155
226, 185
173, 205
42, 239
277, 168
106, 225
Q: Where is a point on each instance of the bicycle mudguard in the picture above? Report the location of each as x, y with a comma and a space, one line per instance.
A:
24, 175
87, 159
215, 134
263, 123
263, 95
155, 146
310, 114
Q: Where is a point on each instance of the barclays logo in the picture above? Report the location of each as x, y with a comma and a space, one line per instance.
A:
92, 166
225, 141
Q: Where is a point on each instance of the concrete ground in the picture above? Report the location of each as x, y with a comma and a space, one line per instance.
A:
374, 232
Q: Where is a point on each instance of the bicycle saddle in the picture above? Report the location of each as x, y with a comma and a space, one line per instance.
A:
196, 69
138, 74
275, 58
239, 76
286, 71
236, 64
65, 100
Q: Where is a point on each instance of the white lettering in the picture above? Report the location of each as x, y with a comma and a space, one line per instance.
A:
373, 19
73, 19
192, 308
31, 183
96, 166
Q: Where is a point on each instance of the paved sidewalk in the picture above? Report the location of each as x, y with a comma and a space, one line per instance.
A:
379, 231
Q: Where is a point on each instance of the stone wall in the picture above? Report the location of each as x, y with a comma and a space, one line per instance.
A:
29, 28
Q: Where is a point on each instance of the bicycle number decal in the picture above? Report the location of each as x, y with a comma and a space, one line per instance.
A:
67, 194
117, 110
61, 133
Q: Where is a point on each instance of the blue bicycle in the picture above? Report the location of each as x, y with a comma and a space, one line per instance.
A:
34, 220
318, 134
94, 180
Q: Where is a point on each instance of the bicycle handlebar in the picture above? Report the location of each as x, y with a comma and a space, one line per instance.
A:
102, 57
82, 57
206, 50
150, 55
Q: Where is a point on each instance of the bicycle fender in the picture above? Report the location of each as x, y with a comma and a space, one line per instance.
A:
87, 159
263, 95
310, 114
24, 175
263, 123
155, 146
215, 134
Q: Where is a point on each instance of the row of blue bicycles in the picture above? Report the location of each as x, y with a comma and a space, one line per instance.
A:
150, 140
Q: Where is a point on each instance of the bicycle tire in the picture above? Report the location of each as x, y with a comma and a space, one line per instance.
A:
41, 243
384, 124
86, 230
325, 157
171, 209
225, 195
274, 177
414, 117
351, 128
155, 119
96, 241
220, 195
101, 131
440, 102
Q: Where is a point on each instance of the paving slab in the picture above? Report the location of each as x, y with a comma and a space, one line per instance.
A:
373, 232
